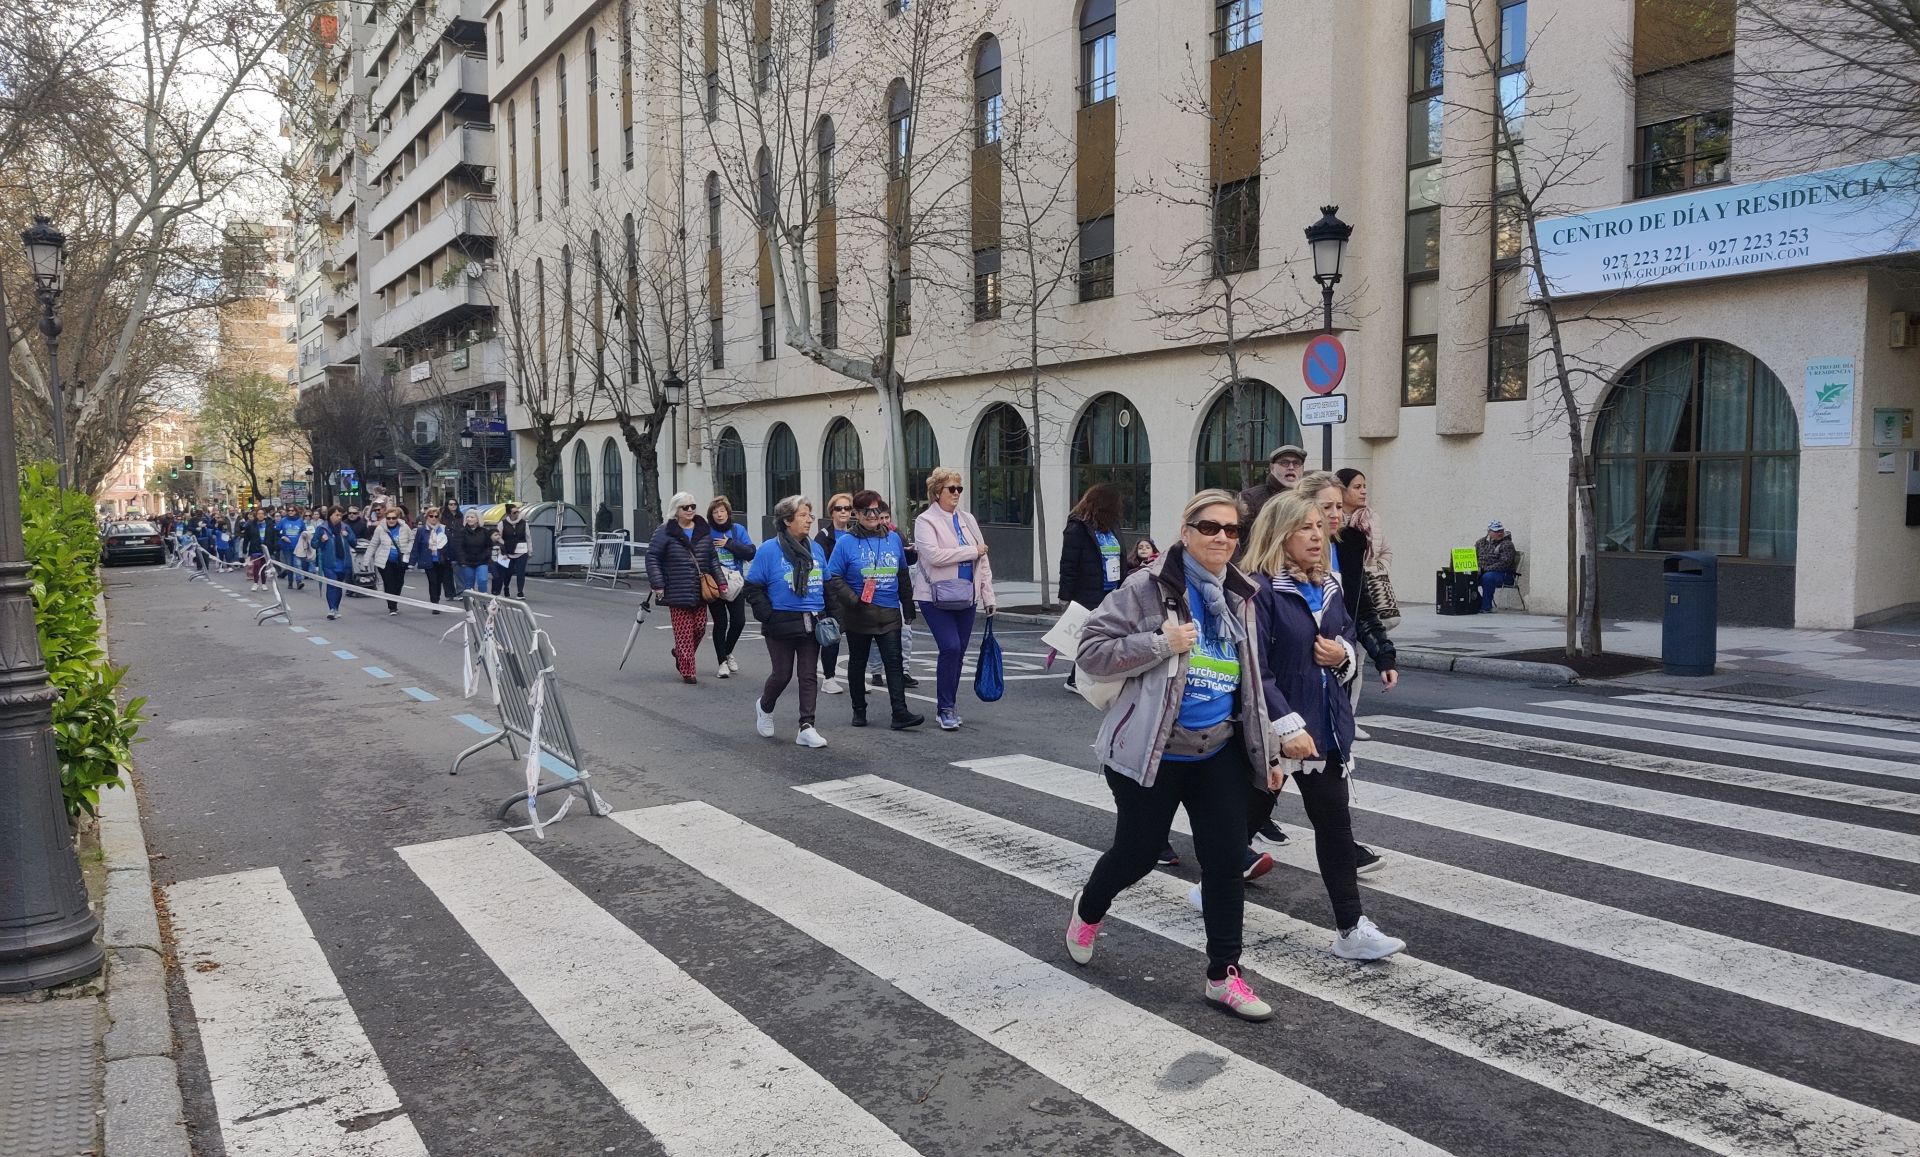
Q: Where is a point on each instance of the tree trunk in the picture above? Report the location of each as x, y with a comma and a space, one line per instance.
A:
644, 443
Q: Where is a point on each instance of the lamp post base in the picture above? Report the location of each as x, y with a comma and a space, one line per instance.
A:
46, 929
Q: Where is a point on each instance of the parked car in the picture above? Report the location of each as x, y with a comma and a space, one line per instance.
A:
132, 542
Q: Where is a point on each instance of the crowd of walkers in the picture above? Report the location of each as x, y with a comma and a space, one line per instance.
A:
371, 547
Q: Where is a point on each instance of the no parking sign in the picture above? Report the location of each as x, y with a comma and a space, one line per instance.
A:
1324, 364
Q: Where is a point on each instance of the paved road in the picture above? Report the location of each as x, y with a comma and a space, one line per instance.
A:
1637, 925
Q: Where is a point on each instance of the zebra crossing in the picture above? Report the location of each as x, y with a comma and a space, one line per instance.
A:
1685, 942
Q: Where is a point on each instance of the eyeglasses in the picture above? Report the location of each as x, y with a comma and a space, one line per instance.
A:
875, 512
1208, 528
691, 506
842, 509
956, 489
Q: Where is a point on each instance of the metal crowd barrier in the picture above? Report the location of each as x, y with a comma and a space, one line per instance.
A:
605, 564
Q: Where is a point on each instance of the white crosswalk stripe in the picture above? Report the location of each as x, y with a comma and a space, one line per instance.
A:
1747, 726
1778, 711
1696, 1097
1089, 1041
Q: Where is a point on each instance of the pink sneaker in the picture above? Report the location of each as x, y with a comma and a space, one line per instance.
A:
1080, 935
1233, 995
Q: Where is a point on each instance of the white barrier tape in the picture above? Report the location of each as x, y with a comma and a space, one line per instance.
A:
315, 577
535, 824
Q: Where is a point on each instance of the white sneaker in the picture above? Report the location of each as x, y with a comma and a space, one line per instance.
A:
808, 737
1366, 942
733, 665
831, 686
1193, 898
762, 720
721, 669
1360, 733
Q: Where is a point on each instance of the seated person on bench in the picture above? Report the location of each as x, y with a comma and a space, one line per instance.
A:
1497, 563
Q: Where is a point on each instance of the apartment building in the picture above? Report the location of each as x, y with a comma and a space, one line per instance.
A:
1729, 293
395, 240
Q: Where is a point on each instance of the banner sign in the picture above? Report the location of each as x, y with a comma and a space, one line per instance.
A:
1843, 214
1829, 403
1328, 411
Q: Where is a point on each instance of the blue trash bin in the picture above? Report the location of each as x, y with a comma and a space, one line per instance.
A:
1689, 628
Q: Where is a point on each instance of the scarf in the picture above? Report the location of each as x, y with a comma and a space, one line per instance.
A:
800, 554
1220, 623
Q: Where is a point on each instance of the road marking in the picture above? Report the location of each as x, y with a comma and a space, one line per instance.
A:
1770, 711
1752, 879
344, 654
1773, 781
297, 630
316, 640
1749, 726
1132, 1065
697, 1074
1740, 817
377, 673
1835, 992
1699, 1098
291, 1069
476, 723
422, 696
1798, 755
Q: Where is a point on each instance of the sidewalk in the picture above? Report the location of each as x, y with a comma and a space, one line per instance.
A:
1875, 671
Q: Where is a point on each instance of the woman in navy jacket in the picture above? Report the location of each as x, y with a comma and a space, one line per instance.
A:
682, 551
1310, 658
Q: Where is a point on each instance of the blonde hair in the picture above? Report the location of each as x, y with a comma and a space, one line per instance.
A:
843, 496
1312, 484
940, 477
1208, 498
1283, 514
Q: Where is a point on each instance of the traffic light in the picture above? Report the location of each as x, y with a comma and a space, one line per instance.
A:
189, 465
172, 473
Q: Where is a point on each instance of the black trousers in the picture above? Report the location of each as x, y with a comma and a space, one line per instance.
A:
1215, 791
828, 657
1324, 795
858, 648
392, 575
729, 619
439, 581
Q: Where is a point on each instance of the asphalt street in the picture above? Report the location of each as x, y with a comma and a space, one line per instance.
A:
1635, 925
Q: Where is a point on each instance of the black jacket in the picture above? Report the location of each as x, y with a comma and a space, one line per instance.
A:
512, 534
1083, 571
470, 545
674, 565
828, 537
1350, 552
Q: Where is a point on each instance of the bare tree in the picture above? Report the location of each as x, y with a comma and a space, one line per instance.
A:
531, 288
344, 419
242, 411
1824, 78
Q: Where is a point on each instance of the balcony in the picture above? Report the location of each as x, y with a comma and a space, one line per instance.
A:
464, 73
470, 145
468, 368
470, 216
433, 305
344, 351
343, 252
340, 202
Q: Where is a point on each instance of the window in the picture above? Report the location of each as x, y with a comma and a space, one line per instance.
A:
830, 318
499, 37
1241, 428
534, 97
986, 285
901, 289
1110, 445
713, 95
513, 167
566, 307
612, 491
987, 102
523, 18
1236, 227
1696, 448
730, 472
1507, 364
827, 175
1096, 259
896, 7
842, 469
1685, 153
582, 479
763, 183
1001, 485
823, 40
1236, 24
593, 110
560, 106
1683, 67
713, 211
899, 129
1099, 52
923, 454
783, 466
599, 275
716, 342
716, 337
1426, 111
766, 333
626, 83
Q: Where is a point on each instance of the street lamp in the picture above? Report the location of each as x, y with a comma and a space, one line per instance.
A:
47, 257
673, 391
1328, 238
46, 929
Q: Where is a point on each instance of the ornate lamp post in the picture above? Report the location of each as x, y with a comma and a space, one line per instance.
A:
1328, 238
46, 930
673, 391
47, 257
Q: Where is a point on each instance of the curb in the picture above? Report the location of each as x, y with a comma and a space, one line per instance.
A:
1516, 669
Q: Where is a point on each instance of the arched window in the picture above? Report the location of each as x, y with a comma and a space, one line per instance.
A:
842, 469
612, 487
823, 141
1002, 469
986, 92
1237, 435
1099, 45
730, 471
1110, 445
923, 454
899, 128
783, 467
583, 480
1697, 448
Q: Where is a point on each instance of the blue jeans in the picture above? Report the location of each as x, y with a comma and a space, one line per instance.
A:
1490, 581
334, 594
472, 578
952, 631
292, 564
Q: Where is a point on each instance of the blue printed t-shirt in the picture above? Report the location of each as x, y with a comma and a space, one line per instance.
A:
858, 558
772, 570
721, 539
1213, 679
960, 536
1109, 559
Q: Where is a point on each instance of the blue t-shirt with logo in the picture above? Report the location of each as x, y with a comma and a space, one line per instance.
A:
858, 558
1213, 679
773, 570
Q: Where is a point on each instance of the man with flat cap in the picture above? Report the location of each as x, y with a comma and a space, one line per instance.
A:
1284, 467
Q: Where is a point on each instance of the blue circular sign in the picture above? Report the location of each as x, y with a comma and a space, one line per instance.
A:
1324, 364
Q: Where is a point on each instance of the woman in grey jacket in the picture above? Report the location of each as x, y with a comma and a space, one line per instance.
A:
1189, 728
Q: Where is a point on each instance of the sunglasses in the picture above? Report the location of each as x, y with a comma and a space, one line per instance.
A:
691, 506
875, 512
841, 509
1208, 528
956, 490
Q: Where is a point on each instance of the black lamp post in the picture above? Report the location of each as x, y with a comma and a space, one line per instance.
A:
46, 930
673, 391
47, 257
1328, 239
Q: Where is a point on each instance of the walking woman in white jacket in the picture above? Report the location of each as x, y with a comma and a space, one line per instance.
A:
389, 548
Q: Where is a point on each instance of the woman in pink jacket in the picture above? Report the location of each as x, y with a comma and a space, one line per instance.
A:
951, 581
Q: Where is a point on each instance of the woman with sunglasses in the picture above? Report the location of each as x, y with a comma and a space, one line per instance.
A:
680, 552
431, 554
786, 586
733, 548
389, 547
839, 524
1189, 728
952, 579
863, 580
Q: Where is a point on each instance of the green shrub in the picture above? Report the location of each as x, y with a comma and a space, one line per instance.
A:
93, 732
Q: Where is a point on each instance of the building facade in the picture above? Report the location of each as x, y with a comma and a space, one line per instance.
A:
1732, 402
